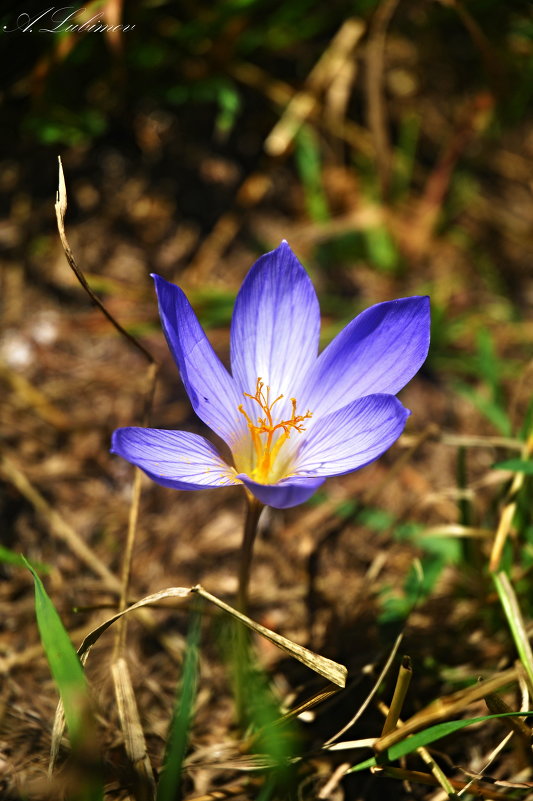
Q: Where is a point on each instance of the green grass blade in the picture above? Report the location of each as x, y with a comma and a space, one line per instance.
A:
70, 679
168, 789
9, 557
428, 736
64, 664
516, 465
511, 607
490, 408
309, 164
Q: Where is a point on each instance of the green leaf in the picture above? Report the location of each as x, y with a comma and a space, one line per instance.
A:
229, 104
487, 406
516, 622
309, 164
63, 661
423, 738
181, 717
9, 557
516, 465
381, 248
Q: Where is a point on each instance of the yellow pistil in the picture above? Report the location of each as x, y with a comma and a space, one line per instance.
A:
266, 449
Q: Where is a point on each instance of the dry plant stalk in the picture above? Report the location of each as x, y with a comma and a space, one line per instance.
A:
371, 694
392, 718
30, 397
127, 707
60, 209
508, 511
300, 106
375, 66
497, 706
445, 707
327, 69
130, 724
57, 525
427, 778
403, 681
281, 94
327, 668
333, 671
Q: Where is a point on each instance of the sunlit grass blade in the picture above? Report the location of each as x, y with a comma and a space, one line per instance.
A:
428, 736
168, 789
64, 663
511, 607
516, 465
70, 679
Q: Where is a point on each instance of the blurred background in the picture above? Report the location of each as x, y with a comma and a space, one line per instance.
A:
391, 144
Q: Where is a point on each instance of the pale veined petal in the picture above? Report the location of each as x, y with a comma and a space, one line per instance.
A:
275, 325
176, 459
378, 352
210, 387
351, 437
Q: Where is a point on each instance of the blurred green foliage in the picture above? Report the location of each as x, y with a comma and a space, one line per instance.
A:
179, 731
76, 85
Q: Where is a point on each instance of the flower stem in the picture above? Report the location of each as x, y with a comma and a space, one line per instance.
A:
253, 512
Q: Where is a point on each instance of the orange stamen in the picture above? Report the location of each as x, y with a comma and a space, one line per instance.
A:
266, 450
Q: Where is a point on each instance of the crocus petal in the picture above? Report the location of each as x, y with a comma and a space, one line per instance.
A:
210, 387
352, 436
286, 493
176, 459
379, 351
275, 325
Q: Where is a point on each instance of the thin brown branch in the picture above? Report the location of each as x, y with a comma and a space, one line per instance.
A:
375, 65
61, 207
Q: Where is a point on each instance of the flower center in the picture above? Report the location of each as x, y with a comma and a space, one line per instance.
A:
268, 437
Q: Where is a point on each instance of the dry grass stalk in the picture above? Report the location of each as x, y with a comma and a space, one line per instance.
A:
334, 780
127, 708
151, 380
30, 397
457, 530
427, 778
327, 668
32, 653
281, 94
84, 650
375, 66
59, 528
327, 69
497, 706
57, 525
508, 511
392, 719
61, 208
446, 706
403, 681
221, 794
132, 730
377, 684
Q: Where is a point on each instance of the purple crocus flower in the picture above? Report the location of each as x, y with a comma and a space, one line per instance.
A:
289, 416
